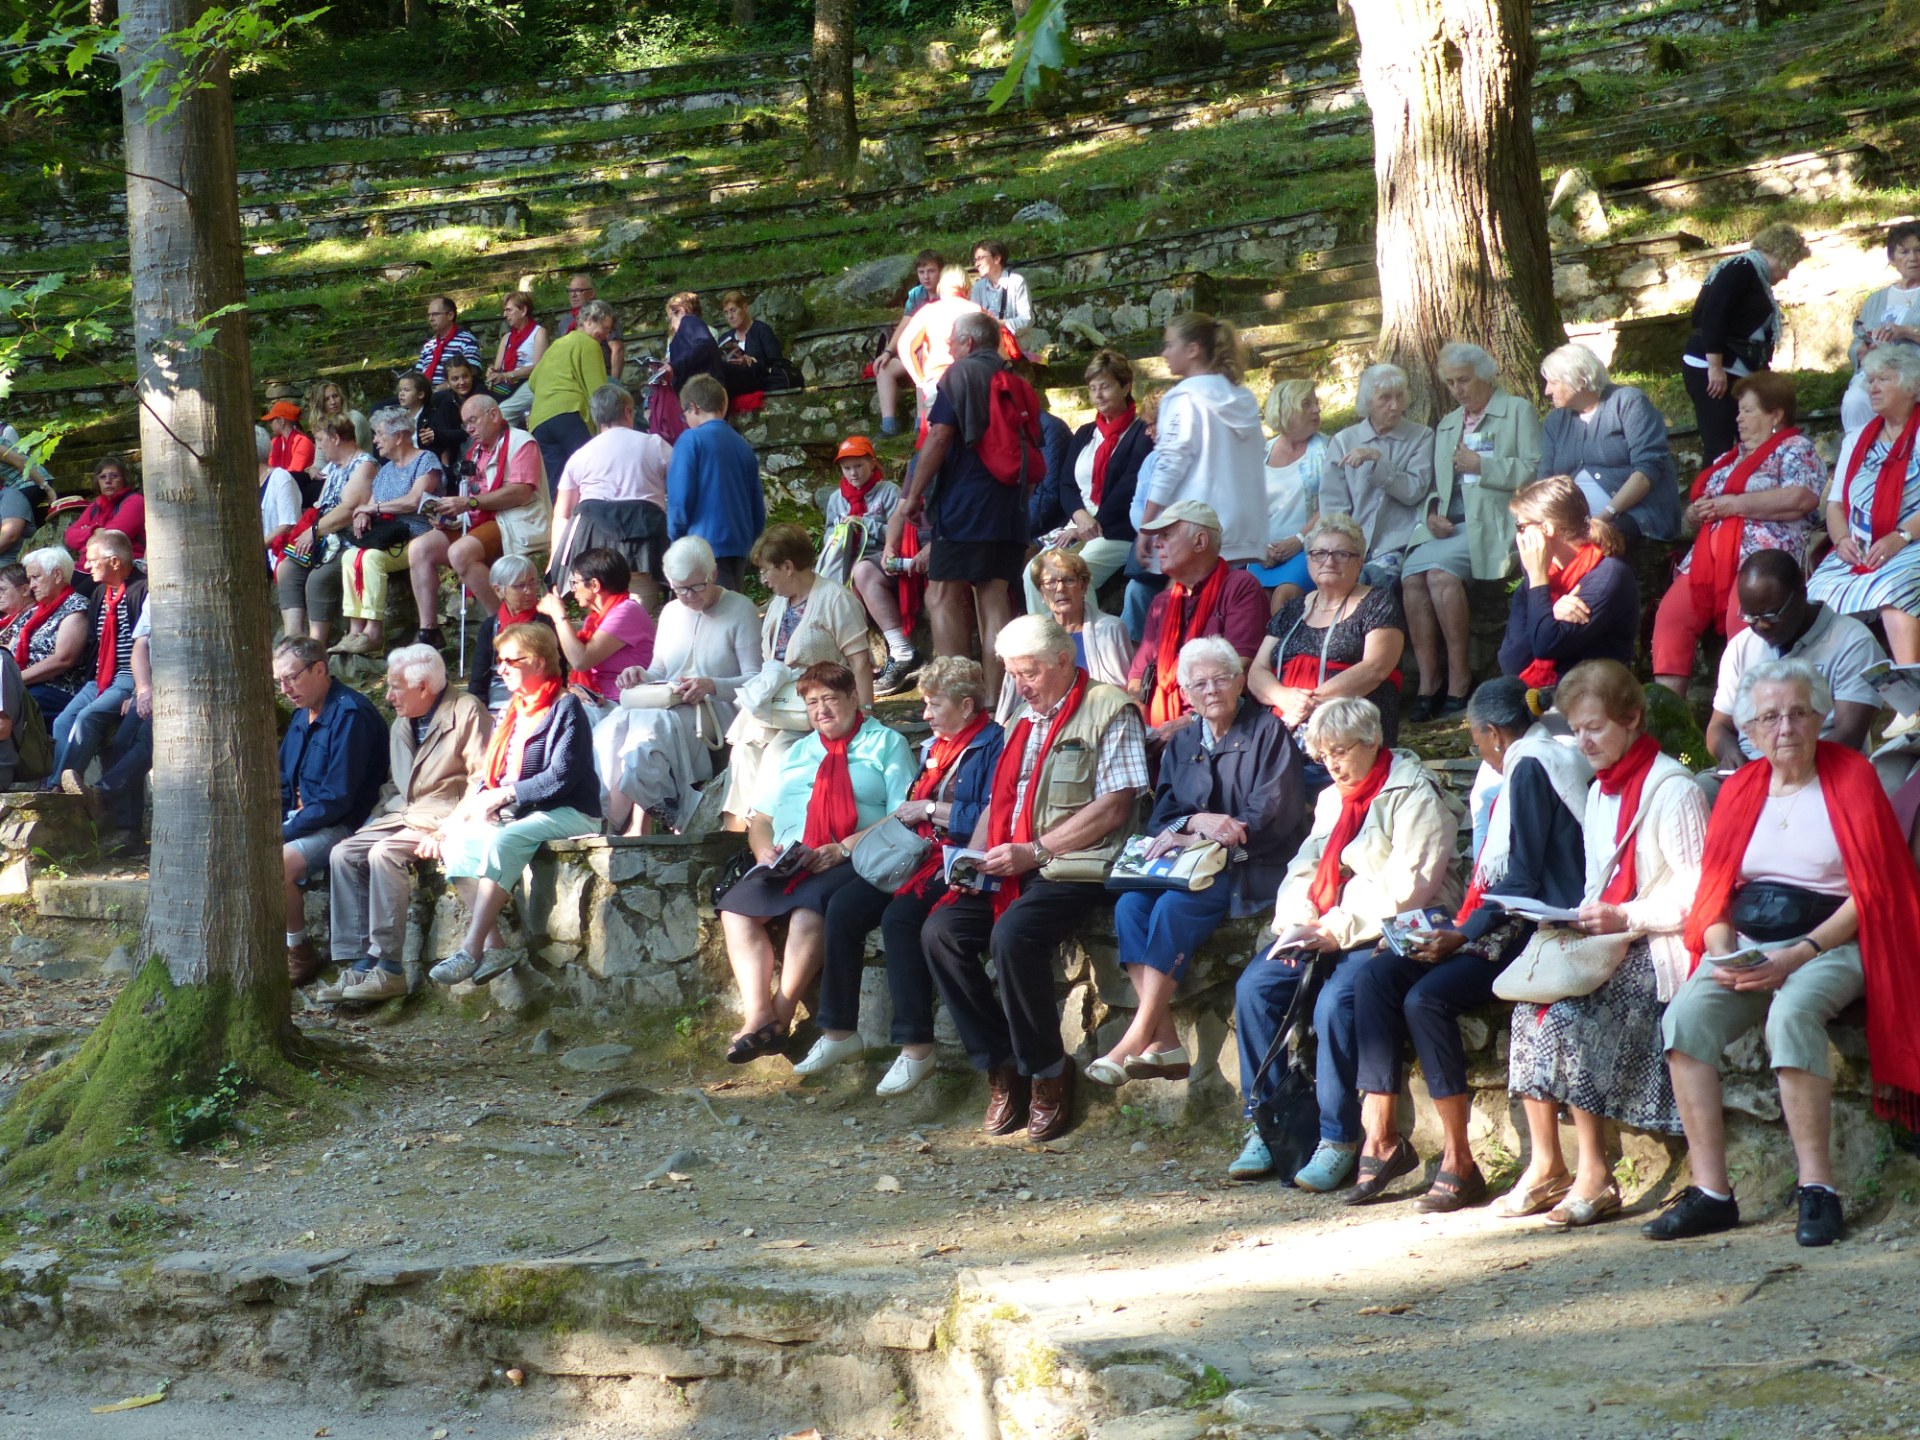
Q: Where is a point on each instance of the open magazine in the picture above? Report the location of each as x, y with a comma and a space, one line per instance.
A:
1899, 685
783, 866
1529, 908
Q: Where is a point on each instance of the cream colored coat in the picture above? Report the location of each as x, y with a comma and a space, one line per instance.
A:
427, 783
1667, 850
1514, 428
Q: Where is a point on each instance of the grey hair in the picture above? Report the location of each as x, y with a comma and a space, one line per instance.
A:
958, 677
52, 558
509, 569
1577, 366
1032, 637
262, 443
1378, 380
687, 557
482, 403
1208, 650
1349, 719
1332, 522
412, 664
1502, 703
594, 311
611, 405
982, 329
304, 648
1470, 356
1900, 363
1781, 672
390, 420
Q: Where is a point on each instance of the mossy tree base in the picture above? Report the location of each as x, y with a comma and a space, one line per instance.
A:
159, 1042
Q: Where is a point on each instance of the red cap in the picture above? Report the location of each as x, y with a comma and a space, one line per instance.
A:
282, 410
856, 445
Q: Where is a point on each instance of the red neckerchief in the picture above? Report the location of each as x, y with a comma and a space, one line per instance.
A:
35, 619
1167, 703
433, 361
283, 447
499, 465
1886, 498
941, 758
1110, 433
1561, 581
1627, 778
1327, 881
832, 812
506, 617
1716, 549
856, 495
590, 627
517, 338
526, 707
106, 664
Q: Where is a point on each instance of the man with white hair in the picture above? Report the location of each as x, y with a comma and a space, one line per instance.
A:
1064, 799
439, 740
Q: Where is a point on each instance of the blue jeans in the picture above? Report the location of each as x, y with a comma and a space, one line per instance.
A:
123, 779
1162, 929
1260, 1000
83, 727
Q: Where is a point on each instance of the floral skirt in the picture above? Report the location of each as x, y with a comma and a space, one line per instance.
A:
1601, 1052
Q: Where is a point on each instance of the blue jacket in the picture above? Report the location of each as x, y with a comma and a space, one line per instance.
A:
1058, 496
335, 765
556, 768
972, 784
1613, 597
713, 490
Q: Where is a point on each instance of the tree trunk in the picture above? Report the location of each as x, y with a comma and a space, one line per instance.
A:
419, 20
214, 991
833, 134
1461, 246
744, 14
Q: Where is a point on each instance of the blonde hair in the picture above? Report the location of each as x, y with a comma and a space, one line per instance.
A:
952, 281
1559, 500
1065, 561
1345, 526
1782, 241
1608, 682
1218, 341
1285, 402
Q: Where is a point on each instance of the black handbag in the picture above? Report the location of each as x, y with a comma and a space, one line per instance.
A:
730, 875
383, 534
1771, 912
1289, 1119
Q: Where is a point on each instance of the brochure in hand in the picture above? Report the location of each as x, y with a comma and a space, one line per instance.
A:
963, 872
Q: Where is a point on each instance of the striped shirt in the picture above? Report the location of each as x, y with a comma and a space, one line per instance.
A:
123, 640
462, 345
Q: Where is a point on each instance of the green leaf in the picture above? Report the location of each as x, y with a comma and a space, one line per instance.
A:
1042, 49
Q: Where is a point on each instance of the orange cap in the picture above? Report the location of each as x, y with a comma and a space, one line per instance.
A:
856, 445
282, 410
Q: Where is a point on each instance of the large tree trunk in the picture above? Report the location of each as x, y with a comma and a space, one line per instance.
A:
214, 991
833, 134
1461, 247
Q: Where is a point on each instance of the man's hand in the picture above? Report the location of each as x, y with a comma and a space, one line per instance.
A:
1009, 860
428, 848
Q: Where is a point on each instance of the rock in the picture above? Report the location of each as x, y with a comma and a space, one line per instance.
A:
1152, 1425
745, 1320
594, 1355
1131, 1388
874, 284
782, 307
1040, 212
889, 161
596, 1057
1301, 1409
680, 1161
898, 1330
544, 1043
360, 186
63, 969
626, 239
520, 989
117, 964
1576, 200
940, 56
33, 949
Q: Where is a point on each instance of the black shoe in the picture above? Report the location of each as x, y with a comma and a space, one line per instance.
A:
1451, 706
1377, 1174
1692, 1212
1422, 708
897, 676
430, 635
1821, 1220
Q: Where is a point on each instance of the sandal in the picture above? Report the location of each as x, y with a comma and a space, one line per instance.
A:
1106, 1072
1450, 1192
1172, 1064
1377, 1173
755, 1043
1518, 1203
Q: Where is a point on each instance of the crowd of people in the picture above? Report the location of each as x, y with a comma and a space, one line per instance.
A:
1221, 742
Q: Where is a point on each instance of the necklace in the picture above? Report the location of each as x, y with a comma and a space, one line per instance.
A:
1793, 800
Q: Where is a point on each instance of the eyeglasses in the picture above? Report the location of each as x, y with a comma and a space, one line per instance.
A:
1332, 557
1774, 719
1209, 683
683, 591
1337, 752
286, 681
513, 662
1061, 582
1765, 617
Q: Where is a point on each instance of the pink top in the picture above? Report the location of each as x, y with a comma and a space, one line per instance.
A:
1793, 844
620, 464
630, 621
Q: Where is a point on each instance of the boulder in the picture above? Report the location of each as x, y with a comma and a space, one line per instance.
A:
1040, 212
626, 239
782, 307
873, 284
1576, 202
887, 161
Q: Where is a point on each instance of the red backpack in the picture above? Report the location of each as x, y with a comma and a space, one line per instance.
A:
1010, 446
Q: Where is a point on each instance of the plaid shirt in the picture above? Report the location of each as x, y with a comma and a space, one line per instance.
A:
1123, 754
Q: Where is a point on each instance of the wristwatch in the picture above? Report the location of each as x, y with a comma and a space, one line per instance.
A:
1042, 856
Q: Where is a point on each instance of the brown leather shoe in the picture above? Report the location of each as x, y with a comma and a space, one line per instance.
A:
1051, 1110
1008, 1101
304, 964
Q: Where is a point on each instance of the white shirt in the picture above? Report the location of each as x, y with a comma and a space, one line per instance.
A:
620, 464
279, 502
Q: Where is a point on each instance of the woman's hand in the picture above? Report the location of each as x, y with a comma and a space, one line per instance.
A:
1439, 526
825, 857
1363, 455
428, 848
1282, 551
1223, 829
1848, 549
1316, 938
1570, 609
1531, 543
1885, 548
362, 518
1430, 947
552, 606
913, 812
1716, 379
1599, 919
694, 689
303, 547
1294, 706
631, 676
1167, 842
1770, 974
492, 802
1465, 461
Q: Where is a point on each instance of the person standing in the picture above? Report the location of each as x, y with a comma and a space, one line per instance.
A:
713, 482
1736, 324
563, 384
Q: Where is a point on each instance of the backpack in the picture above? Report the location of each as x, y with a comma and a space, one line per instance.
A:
1010, 446
841, 549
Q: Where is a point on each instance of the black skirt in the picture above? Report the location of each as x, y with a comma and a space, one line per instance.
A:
764, 897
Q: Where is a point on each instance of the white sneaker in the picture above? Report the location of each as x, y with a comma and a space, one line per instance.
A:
904, 1074
826, 1054
455, 968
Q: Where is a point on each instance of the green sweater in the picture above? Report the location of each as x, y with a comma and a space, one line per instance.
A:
571, 370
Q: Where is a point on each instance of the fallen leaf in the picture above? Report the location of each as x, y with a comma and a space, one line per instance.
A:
786, 1245
136, 1403
887, 1185
1400, 1308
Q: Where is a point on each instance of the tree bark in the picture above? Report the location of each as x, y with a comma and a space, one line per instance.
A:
744, 13
419, 19
1461, 247
833, 133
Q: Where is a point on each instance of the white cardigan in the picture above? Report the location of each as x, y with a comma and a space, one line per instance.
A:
1667, 851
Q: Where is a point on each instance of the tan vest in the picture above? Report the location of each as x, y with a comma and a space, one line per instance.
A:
1065, 784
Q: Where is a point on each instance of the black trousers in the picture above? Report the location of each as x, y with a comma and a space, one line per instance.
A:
1023, 1023
1718, 434
851, 914
1395, 998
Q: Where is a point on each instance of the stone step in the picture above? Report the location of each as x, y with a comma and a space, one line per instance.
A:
119, 900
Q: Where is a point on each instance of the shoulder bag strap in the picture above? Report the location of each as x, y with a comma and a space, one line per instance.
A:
1620, 850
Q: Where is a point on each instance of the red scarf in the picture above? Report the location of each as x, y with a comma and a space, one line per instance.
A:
1477, 885
1881, 879
1561, 581
480, 487
1716, 549
941, 758
590, 627
1167, 703
439, 349
1303, 672
106, 663
1886, 498
1110, 433
1626, 777
277, 549
913, 585
856, 495
35, 619
506, 617
517, 338
1327, 881
832, 813
526, 707
100, 515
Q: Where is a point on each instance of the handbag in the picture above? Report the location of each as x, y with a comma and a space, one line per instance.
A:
382, 535
770, 696
1560, 962
1771, 912
1289, 1118
890, 854
1189, 869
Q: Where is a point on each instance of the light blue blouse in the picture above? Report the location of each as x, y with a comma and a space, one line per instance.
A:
883, 768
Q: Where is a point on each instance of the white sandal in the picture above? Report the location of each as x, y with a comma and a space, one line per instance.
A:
1106, 1072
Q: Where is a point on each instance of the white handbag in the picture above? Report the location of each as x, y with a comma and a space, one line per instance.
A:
770, 697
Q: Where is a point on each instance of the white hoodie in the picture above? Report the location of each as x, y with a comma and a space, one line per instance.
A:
1211, 448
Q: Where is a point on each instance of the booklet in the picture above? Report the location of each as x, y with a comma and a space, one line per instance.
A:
783, 866
1748, 956
1532, 909
1402, 928
962, 870
1899, 685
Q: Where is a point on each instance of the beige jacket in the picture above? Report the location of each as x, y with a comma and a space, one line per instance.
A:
429, 782
1402, 859
1513, 427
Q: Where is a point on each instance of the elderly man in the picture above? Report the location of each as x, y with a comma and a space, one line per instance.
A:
713, 482
1064, 799
501, 509
613, 349
614, 493
979, 523
119, 600
1204, 596
333, 761
439, 742
447, 339
566, 377
1783, 624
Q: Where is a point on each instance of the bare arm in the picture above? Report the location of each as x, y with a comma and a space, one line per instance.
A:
1089, 823
69, 644
1723, 739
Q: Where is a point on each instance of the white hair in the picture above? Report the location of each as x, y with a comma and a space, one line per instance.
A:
412, 664
687, 557
1032, 637
1215, 650
1781, 672
510, 569
262, 443
1577, 366
1378, 380
1462, 355
52, 559
391, 420
1899, 363
1348, 720
611, 406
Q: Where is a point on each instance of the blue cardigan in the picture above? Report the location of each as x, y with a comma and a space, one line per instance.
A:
332, 768
972, 785
556, 768
713, 490
1627, 433
1611, 593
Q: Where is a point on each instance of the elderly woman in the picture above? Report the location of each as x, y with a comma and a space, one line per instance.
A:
16, 602
1599, 1055
752, 351
831, 787
615, 632
809, 621
308, 575
1577, 599
523, 340
50, 644
956, 779
656, 750
1100, 643
1209, 444
116, 505
326, 399
1382, 842
1483, 452
563, 383
1345, 638
1092, 498
1532, 851
1296, 465
1875, 564
1613, 442
1757, 496
1808, 900
1380, 471
1231, 780
691, 351
517, 581
1736, 323
383, 526
1889, 317
537, 785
